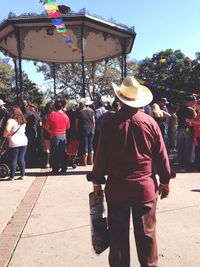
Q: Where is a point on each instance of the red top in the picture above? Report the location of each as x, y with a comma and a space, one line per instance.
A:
129, 150
197, 127
57, 123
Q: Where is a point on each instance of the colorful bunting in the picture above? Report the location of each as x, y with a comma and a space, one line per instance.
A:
167, 89
54, 14
164, 60
4, 60
51, 8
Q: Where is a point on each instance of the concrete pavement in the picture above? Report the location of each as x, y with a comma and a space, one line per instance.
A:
50, 225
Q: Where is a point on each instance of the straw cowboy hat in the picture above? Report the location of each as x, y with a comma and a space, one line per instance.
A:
88, 101
132, 93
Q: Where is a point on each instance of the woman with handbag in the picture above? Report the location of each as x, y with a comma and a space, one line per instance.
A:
15, 132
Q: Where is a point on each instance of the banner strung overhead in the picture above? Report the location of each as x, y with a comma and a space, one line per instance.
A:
55, 15
167, 89
164, 60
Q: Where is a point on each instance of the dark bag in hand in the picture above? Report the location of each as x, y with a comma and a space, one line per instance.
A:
99, 228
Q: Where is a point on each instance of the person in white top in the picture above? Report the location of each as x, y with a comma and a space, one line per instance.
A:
15, 132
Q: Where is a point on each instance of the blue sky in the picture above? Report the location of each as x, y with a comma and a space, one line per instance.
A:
159, 24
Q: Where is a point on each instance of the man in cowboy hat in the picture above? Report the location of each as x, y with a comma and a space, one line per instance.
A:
130, 150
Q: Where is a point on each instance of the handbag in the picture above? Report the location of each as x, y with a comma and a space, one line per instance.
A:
99, 227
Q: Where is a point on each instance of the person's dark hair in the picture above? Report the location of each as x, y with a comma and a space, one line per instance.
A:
64, 102
116, 105
16, 114
58, 104
189, 98
81, 105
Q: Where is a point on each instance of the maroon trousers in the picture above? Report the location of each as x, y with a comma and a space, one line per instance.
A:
144, 223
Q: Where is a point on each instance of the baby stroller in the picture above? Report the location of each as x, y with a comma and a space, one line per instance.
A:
72, 152
4, 169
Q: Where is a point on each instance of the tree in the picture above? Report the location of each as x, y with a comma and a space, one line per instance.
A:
167, 73
8, 86
69, 78
6, 79
172, 71
31, 91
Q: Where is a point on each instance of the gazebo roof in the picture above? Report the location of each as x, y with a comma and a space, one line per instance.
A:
39, 40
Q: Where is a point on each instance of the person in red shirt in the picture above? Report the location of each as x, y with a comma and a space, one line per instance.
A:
196, 124
130, 151
57, 125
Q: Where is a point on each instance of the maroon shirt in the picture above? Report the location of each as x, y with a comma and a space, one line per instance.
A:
129, 150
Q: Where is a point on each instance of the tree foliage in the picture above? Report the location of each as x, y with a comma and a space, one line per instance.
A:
164, 70
98, 78
8, 86
6, 79
177, 72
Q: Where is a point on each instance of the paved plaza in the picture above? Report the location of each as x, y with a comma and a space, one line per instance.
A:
44, 222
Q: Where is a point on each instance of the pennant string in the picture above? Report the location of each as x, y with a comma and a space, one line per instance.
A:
164, 60
54, 14
167, 89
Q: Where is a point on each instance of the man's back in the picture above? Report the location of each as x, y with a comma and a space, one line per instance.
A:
130, 142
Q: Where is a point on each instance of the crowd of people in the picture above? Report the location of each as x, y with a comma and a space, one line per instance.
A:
128, 141
42, 136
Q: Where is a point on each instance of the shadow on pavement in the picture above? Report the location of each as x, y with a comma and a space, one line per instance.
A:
77, 172
4, 179
36, 174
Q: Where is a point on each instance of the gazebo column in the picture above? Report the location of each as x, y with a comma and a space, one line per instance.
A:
54, 79
122, 67
93, 85
125, 65
124, 56
16, 79
20, 64
123, 61
82, 62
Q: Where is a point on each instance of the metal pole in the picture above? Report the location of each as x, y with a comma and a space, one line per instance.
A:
82, 62
122, 67
20, 63
125, 65
16, 79
93, 87
54, 79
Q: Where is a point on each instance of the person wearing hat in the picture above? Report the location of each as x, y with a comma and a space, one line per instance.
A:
85, 125
185, 135
129, 151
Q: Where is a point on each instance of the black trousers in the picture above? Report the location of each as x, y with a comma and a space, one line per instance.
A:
144, 223
58, 153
